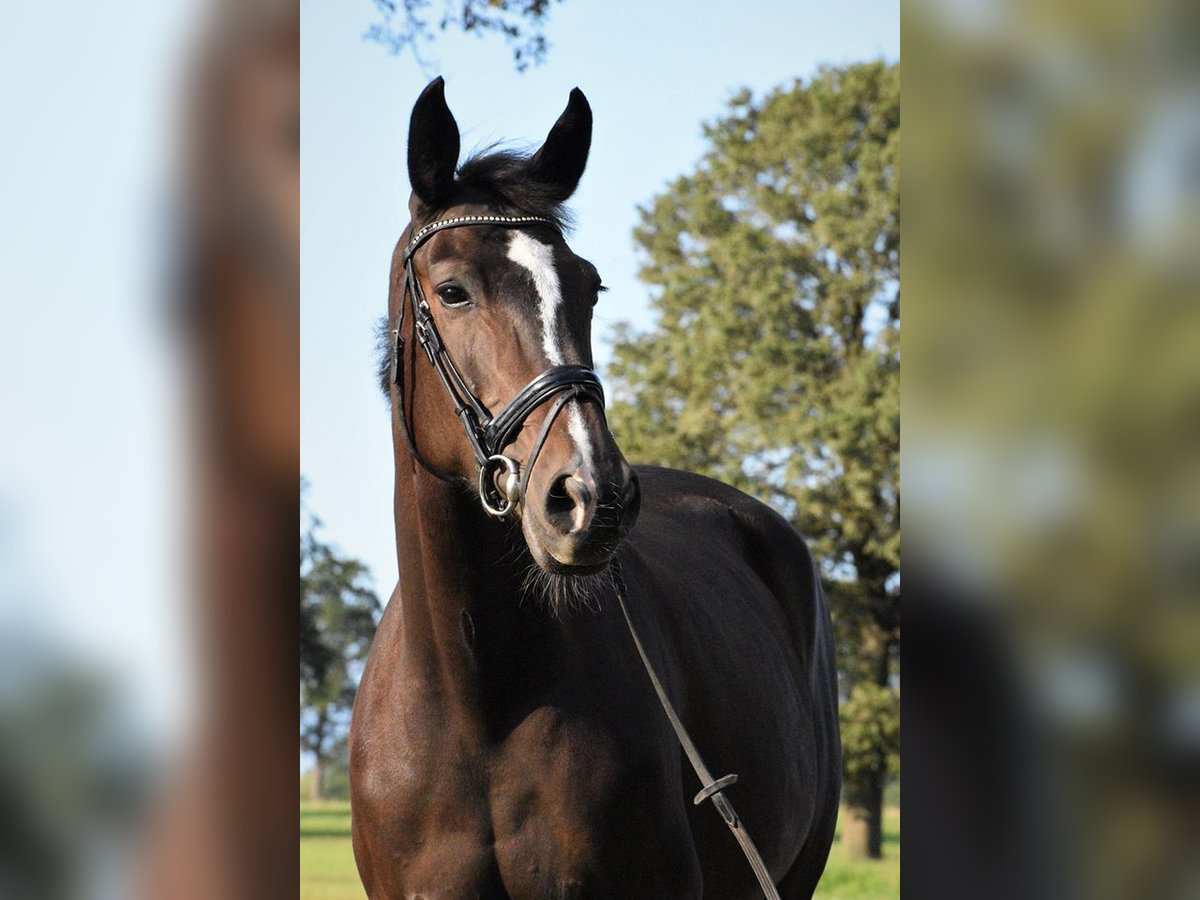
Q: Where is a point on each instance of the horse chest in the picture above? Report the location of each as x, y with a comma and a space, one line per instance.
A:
558, 809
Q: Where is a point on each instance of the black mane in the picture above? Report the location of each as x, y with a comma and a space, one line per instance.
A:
384, 346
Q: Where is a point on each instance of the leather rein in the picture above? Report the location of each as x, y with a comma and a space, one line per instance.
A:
710, 788
502, 481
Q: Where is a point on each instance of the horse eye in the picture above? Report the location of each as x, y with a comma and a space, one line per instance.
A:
452, 295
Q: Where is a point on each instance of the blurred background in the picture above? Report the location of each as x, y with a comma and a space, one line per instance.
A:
149, 245
1051, 387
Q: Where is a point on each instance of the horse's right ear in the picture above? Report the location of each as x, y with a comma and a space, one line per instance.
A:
432, 145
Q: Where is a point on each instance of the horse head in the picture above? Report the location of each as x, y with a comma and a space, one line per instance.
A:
503, 395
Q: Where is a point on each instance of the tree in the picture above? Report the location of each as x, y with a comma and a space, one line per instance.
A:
774, 362
338, 614
870, 723
336, 777
406, 23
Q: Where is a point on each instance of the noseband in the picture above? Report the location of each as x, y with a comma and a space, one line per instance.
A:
502, 481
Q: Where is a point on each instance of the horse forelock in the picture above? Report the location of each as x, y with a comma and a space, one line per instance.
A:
502, 176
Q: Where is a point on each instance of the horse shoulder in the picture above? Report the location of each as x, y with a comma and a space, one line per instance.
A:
715, 521
765, 541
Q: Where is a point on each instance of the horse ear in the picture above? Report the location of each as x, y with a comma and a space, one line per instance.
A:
560, 162
432, 145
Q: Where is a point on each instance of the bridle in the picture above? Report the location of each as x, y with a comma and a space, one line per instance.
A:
502, 482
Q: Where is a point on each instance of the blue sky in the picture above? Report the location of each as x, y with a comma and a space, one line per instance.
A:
653, 73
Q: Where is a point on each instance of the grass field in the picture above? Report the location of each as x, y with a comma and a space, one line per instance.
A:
327, 869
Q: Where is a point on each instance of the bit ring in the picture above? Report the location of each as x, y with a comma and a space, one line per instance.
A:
499, 498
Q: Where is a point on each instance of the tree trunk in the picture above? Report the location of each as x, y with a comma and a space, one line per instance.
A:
862, 813
314, 785
317, 742
862, 819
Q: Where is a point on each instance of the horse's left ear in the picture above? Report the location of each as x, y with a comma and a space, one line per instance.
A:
560, 162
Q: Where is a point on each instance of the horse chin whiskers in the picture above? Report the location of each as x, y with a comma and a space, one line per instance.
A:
564, 594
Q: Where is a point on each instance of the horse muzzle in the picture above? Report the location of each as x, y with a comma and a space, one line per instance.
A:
582, 517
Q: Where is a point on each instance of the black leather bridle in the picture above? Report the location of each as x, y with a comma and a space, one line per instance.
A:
502, 481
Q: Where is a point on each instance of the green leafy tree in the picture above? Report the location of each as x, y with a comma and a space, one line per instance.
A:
406, 24
774, 362
338, 614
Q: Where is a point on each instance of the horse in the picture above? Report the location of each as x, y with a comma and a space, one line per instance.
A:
506, 741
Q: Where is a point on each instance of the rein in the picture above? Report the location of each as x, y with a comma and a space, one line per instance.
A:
711, 788
502, 482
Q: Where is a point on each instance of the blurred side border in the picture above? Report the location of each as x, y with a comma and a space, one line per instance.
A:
1051, 726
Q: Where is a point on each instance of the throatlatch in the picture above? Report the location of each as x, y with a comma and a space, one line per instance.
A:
502, 481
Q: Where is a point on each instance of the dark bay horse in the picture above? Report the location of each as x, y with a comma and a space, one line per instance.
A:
506, 741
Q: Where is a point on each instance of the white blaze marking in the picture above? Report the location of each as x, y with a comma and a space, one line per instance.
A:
538, 259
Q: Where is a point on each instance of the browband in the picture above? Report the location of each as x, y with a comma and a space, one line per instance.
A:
427, 231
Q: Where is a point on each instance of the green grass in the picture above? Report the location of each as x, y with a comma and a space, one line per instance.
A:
327, 869
864, 879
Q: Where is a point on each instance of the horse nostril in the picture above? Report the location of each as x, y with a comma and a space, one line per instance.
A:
559, 504
575, 503
558, 490
570, 502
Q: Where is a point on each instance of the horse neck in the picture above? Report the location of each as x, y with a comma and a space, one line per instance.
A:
443, 538
460, 578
